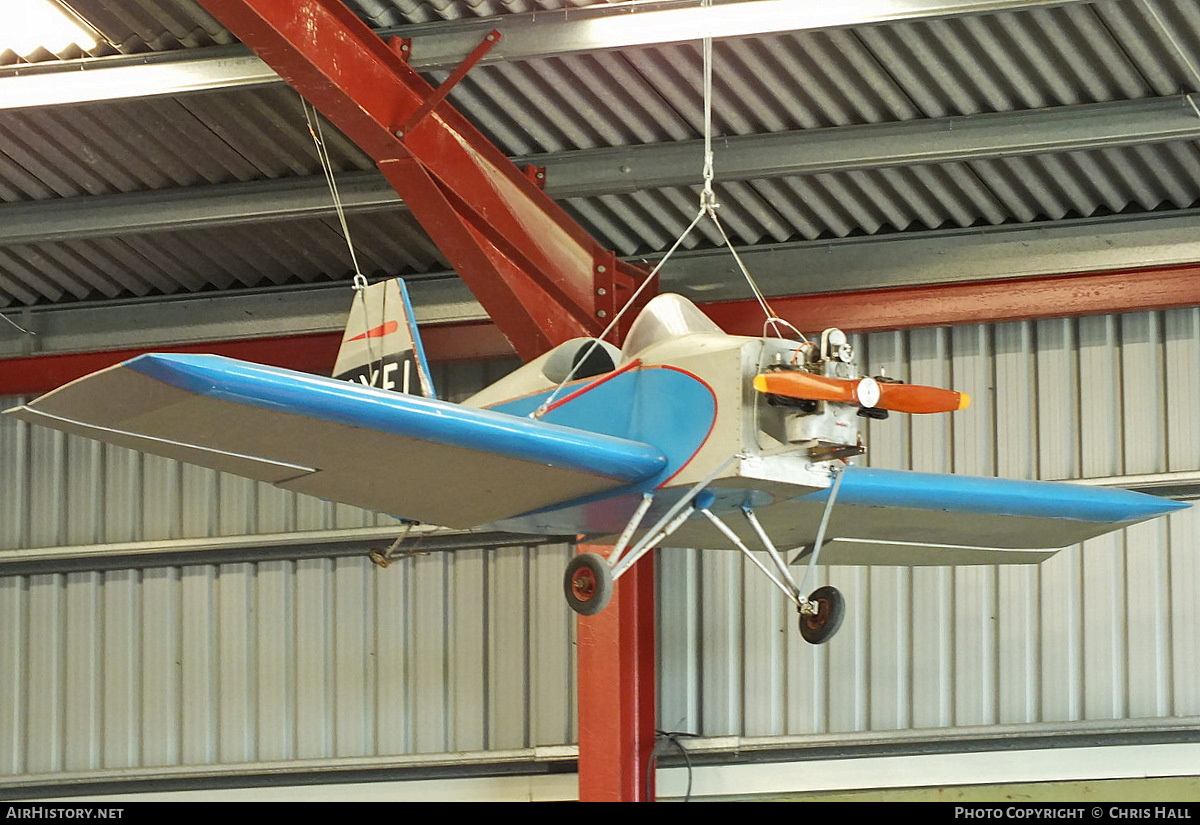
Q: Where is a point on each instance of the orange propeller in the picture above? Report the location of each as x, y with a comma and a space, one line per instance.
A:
866, 392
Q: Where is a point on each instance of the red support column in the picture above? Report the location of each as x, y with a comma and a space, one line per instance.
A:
616, 667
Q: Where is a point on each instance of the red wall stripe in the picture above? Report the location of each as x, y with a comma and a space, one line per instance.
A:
871, 310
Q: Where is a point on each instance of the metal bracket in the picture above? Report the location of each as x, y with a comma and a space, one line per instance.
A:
402, 46
537, 174
604, 282
614, 283
439, 94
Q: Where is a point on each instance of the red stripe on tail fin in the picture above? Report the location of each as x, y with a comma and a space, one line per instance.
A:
377, 332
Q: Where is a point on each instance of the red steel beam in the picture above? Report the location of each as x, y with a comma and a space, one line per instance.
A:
1017, 299
616, 666
874, 310
313, 353
532, 267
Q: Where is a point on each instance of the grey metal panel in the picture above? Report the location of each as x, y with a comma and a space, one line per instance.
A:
552, 683
67, 491
890, 651
1103, 631
280, 660
678, 638
1181, 329
472, 650
468, 645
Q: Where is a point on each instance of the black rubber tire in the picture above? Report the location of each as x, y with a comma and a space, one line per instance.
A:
819, 628
588, 584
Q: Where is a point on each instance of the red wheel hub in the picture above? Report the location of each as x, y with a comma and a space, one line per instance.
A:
817, 620
583, 583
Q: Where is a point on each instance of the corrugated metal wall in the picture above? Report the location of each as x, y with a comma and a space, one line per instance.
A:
1109, 630
325, 658
57, 490
281, 660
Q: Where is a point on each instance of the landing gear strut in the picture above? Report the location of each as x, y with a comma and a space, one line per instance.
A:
588, 583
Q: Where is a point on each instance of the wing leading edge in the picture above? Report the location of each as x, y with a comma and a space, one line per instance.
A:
409, 456
898, 517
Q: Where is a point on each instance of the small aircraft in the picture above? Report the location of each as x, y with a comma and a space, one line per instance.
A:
685, 436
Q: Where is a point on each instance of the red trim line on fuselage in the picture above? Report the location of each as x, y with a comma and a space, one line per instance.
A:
583, 381
711, 427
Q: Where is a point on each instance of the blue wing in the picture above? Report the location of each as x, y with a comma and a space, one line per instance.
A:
896, 517
409, 456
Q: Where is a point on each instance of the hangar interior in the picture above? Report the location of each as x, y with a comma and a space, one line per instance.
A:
1025, 173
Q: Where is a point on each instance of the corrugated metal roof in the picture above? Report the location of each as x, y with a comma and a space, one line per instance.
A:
1027, 60
139, 26
162, 143
167, 263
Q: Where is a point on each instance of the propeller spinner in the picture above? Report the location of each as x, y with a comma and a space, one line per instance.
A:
866, 392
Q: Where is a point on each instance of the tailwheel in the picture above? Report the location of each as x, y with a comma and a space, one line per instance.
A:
588, 584
828, 609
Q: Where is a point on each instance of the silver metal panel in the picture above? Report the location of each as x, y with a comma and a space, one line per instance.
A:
69, 491
473, 650
469, 645
887, 666
1181, 330
1104, 631
678, 638
282, 660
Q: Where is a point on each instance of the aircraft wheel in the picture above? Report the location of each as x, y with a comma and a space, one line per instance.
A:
588, 584
818, 628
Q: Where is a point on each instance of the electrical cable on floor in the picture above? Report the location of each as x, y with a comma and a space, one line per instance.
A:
672, 738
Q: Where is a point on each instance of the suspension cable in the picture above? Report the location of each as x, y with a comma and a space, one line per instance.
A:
708, 198
318, 136
18, 326
708, 206
360, 281
772, 320
545, 405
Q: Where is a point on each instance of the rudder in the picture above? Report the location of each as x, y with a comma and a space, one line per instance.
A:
381, 346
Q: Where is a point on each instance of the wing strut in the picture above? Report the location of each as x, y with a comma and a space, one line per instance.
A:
671, 520
790, 591
816, 551
821, 611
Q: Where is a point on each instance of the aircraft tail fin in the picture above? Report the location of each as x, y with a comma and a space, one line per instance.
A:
382, 347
